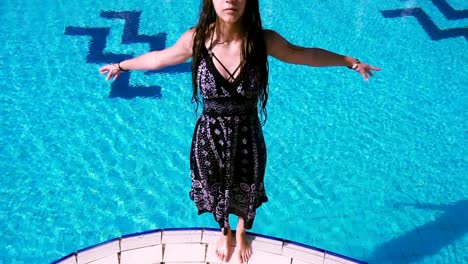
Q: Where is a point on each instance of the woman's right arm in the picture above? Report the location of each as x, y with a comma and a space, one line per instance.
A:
180, 52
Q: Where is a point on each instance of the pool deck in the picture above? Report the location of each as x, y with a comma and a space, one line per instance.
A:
197, 245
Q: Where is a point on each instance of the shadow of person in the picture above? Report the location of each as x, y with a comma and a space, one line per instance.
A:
428, 239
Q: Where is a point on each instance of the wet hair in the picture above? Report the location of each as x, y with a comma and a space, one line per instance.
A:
254, 53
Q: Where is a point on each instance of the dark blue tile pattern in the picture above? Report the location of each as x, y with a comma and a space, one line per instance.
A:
96, 55
448, 11
130, 33
434, 32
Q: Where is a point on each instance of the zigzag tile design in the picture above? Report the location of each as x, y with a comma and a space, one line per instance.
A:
97, 44
434, 32
130, 32
448, 11
131, 35
96, 55
121, 87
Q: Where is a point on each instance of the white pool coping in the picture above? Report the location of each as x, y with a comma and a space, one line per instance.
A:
197, 245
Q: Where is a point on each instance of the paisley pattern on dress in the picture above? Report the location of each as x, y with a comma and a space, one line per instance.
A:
228, 153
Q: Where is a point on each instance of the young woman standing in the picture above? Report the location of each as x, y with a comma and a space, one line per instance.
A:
229, 50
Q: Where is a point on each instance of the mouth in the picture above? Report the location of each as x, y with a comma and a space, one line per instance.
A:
230, 9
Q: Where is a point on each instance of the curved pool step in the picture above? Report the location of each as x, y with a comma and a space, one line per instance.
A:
197, 245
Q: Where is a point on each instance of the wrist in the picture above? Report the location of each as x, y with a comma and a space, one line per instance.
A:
352, 63
120, 67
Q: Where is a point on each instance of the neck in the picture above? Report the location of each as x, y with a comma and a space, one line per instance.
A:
228, 32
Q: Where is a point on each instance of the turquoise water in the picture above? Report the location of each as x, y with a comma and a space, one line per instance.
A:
373, 170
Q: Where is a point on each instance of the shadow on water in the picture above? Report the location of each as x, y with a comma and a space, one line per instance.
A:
98, 43
428, 238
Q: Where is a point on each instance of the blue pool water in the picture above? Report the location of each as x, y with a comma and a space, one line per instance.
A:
374, 170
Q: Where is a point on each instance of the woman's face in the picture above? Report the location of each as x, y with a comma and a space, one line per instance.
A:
229, 10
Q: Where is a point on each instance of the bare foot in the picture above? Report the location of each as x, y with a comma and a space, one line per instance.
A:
223, 249
245, 250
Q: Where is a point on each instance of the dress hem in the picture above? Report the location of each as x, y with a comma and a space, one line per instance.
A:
248, 224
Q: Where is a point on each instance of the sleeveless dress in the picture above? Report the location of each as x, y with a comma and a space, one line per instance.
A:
228, 153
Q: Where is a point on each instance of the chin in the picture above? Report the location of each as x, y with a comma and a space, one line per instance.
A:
230, 19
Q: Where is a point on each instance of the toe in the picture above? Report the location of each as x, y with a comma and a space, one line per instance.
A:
247, 255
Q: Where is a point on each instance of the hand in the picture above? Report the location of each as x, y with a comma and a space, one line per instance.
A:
365, 70
112, 70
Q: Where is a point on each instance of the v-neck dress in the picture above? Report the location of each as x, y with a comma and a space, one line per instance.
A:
228, 153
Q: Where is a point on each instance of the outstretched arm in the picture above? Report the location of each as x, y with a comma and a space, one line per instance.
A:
154, 60
280, 48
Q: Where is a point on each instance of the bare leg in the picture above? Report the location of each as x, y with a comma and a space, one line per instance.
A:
245, 250
223, 249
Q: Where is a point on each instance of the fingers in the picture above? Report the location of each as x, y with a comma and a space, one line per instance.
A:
364, 75
111, 71
103, 69
366, 70
106, 68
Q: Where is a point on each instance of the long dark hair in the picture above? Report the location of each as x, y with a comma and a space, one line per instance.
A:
254, 53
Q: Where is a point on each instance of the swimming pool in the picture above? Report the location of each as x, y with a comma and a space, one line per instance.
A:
376, 170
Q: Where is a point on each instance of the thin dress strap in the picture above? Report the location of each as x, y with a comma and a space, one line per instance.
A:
211, 53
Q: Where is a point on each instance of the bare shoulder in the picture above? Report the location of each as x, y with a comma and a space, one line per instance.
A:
273, 40
185, 42
189, 33
270, 35
187, 37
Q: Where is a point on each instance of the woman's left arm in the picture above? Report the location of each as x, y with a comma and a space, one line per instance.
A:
280, 48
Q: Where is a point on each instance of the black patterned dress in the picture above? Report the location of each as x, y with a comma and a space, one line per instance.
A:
228, 154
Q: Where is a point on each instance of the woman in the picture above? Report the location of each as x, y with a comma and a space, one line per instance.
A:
229, 50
